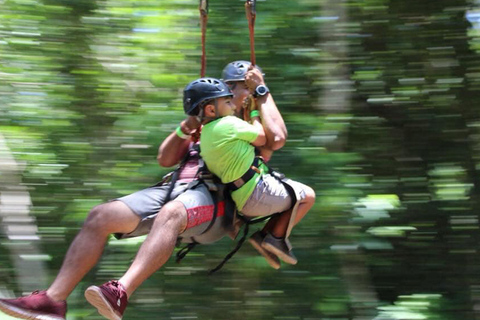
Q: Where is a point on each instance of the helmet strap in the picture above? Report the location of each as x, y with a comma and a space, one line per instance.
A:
215, 104
201, 115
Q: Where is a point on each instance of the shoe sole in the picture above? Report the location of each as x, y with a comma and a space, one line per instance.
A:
267, 255
24, 314
279, 253
95, 297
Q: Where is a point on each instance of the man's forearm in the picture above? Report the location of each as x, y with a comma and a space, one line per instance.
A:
261, 138
172, 150
272, 120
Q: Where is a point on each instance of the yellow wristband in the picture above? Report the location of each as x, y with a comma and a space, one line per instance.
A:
180, 133
254, 113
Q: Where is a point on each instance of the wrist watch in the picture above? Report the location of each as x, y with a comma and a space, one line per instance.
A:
261, 91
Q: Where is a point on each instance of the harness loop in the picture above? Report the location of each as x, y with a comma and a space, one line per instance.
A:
230, 255
183, 252
240, 242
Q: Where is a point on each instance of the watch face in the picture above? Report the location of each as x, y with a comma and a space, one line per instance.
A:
261, 90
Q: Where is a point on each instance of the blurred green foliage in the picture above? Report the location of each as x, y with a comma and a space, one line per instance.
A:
380, 99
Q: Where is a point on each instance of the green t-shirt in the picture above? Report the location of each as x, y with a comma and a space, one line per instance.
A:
225, 147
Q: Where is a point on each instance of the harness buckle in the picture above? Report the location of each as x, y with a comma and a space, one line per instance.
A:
255, 169
240, 182
278, 175
167, 178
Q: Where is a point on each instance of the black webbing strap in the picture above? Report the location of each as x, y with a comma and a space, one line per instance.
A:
240, 242
175, 175
232, 253
184, 251
240, 182
173, 180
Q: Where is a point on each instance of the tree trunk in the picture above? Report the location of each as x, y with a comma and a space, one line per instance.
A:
336, 97
18, 225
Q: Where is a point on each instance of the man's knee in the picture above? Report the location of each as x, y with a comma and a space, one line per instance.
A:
174, 212
309, 195
111, 217
96, 217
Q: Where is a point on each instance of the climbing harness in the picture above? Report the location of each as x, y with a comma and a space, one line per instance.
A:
203, 7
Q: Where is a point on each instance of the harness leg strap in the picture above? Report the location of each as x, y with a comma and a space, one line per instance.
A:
296, 197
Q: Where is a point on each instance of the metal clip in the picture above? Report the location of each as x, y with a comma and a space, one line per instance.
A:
256, 169
203, 7
252, 4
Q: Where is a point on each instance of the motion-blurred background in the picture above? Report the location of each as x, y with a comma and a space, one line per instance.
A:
381, 100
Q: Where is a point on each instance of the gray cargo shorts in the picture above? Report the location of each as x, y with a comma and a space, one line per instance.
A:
197, 200
270, 196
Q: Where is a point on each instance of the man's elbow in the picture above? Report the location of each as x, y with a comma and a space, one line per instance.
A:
164, 161
260, 141
279, 141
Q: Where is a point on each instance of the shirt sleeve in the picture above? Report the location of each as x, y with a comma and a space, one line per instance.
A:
243, 130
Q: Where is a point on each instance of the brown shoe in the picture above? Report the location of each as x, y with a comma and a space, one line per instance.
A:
256, 241
280, 247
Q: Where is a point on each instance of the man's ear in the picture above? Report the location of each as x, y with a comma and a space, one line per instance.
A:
209, 110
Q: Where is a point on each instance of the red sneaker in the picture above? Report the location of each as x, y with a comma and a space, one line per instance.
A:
34, 306
110, 299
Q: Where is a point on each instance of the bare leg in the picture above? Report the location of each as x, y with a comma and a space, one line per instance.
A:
157, 247
278, 225
305, 205
87, 247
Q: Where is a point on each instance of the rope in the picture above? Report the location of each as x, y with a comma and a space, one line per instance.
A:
203, 7
240, 242
183, 252
230, 255
251, 15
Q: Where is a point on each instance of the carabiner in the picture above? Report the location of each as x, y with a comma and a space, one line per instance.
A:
252, 4
203, 7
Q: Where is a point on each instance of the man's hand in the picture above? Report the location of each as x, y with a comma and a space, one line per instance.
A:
190, 125
253, 79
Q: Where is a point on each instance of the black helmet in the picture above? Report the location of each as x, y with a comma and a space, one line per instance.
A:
236, 70
201, 90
